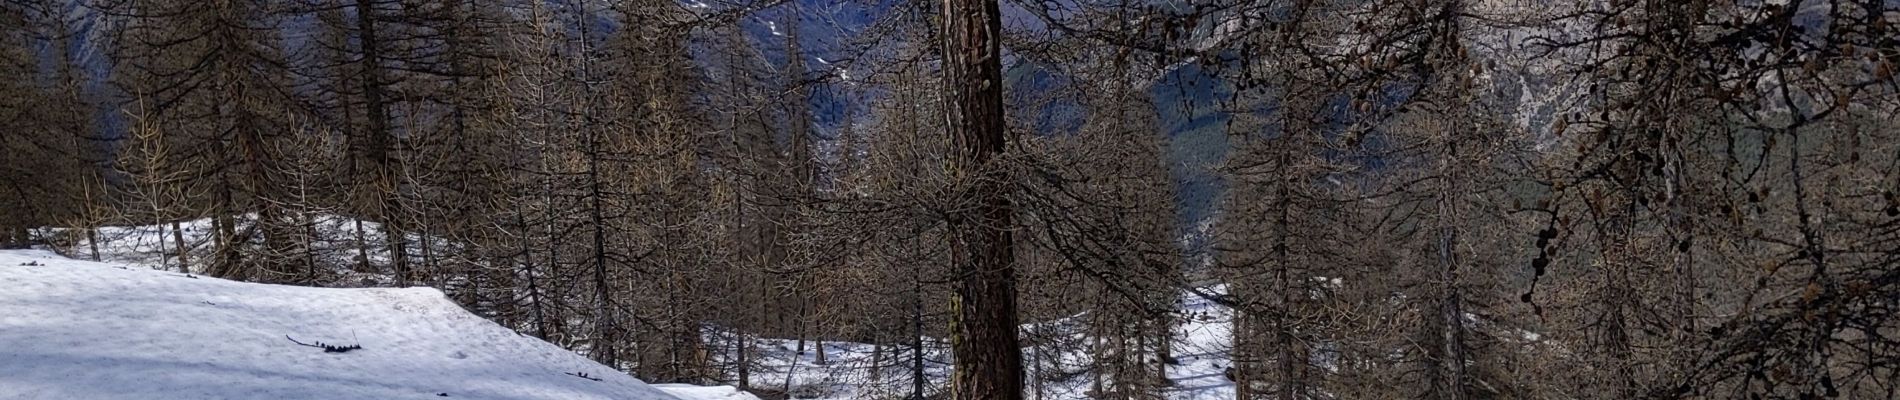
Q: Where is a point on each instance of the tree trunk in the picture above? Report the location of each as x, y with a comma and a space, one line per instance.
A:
916, 335
362, 247
877, 361
988, 359
184, 253
1288, 359
534, 291
819, 347
1451, 356
1164, 349
92, 236
379, 143
1242, 371
224, 263
1098, 382
428, 252
742, 346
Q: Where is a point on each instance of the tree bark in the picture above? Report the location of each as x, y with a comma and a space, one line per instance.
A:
988, 359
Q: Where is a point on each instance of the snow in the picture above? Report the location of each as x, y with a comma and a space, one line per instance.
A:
336, 243
1204, 347
705, 392
1203, 341
179, 333
85, 330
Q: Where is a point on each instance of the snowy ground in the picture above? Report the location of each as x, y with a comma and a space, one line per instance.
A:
336, 243
84, 330
1202, 334
1202, 344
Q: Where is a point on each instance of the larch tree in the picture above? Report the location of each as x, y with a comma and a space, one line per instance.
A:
213, 76
988, 360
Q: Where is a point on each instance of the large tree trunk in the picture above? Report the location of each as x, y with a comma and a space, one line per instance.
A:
988, 360
379, 143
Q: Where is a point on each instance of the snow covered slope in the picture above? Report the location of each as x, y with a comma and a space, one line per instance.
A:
84, 330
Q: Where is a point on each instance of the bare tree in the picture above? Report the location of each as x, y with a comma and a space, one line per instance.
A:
988, 357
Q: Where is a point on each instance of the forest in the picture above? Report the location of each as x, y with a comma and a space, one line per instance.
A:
1438, 199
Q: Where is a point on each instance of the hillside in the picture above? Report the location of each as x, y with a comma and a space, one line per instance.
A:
85, 330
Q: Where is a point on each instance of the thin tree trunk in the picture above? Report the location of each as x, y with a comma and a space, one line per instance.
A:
916, 334
1098, 349
184, 253
1036, 374
428, 251
819, 346
92, 239
877, 360
1242, 371
1164, 349
223, 264
743, 346
534, 292
362, 246
92, 227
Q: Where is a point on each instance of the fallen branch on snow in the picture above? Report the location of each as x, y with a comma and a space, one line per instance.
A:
326, 348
